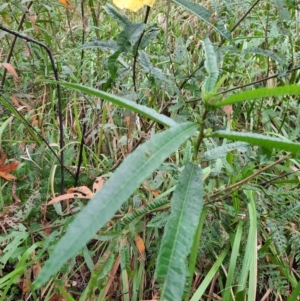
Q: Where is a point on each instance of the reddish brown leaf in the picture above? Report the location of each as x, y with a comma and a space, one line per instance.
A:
98, 183
6, 169
10, 167
11, 70
228, 110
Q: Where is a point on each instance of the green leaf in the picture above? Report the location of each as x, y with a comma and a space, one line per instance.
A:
101, 208
130, 34
211, 66
111, 64
210, 275
281, 8
122, 102
249, 265
259, 93
204, 14
233, 262
103, 45
186, 207
116, 15
261, 140
295, 293
221, 151
265, 52
150, 70
149, 36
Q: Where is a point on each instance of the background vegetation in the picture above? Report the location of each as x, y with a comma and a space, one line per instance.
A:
204, 97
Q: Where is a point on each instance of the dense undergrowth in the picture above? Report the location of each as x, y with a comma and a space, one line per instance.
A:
179, 86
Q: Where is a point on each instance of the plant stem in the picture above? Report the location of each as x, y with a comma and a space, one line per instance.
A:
201, 133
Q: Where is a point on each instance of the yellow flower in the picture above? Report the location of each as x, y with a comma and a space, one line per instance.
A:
133, 5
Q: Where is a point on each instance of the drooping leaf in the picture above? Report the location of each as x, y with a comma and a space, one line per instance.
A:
261, 140
150, 69
123, 102
259, 93
101, 208
103, 45
204, 14
111, 64
116, 15
265, 52
11, 70
186, 209
130, 34
149, 36
6, 169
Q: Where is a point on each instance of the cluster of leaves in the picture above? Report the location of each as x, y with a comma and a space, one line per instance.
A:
183, 106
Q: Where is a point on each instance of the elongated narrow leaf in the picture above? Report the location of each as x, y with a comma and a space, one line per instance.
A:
101, 208
130, 34
103, 45
186, 209
204, 14
264, 52
261, 140
211, 66
233, 262
116, 15
259, 93
210, 275
249, 266
149, 69
222, 151
149, 36
123, 102
295, 293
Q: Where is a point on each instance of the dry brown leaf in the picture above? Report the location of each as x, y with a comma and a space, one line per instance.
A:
140, 245
228, 110
11, 70
26, 281
6, 169
81, 192
98, 183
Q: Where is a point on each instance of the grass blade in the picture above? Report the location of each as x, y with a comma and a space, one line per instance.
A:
131, 173
249, 266
210, 275
233, 261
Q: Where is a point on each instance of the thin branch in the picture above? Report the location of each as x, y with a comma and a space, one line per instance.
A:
10, 52
244, 16
137, 50
236, 185
60, 115
39, 135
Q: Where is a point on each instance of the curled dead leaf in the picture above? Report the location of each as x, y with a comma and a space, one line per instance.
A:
6, 169
11, 70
